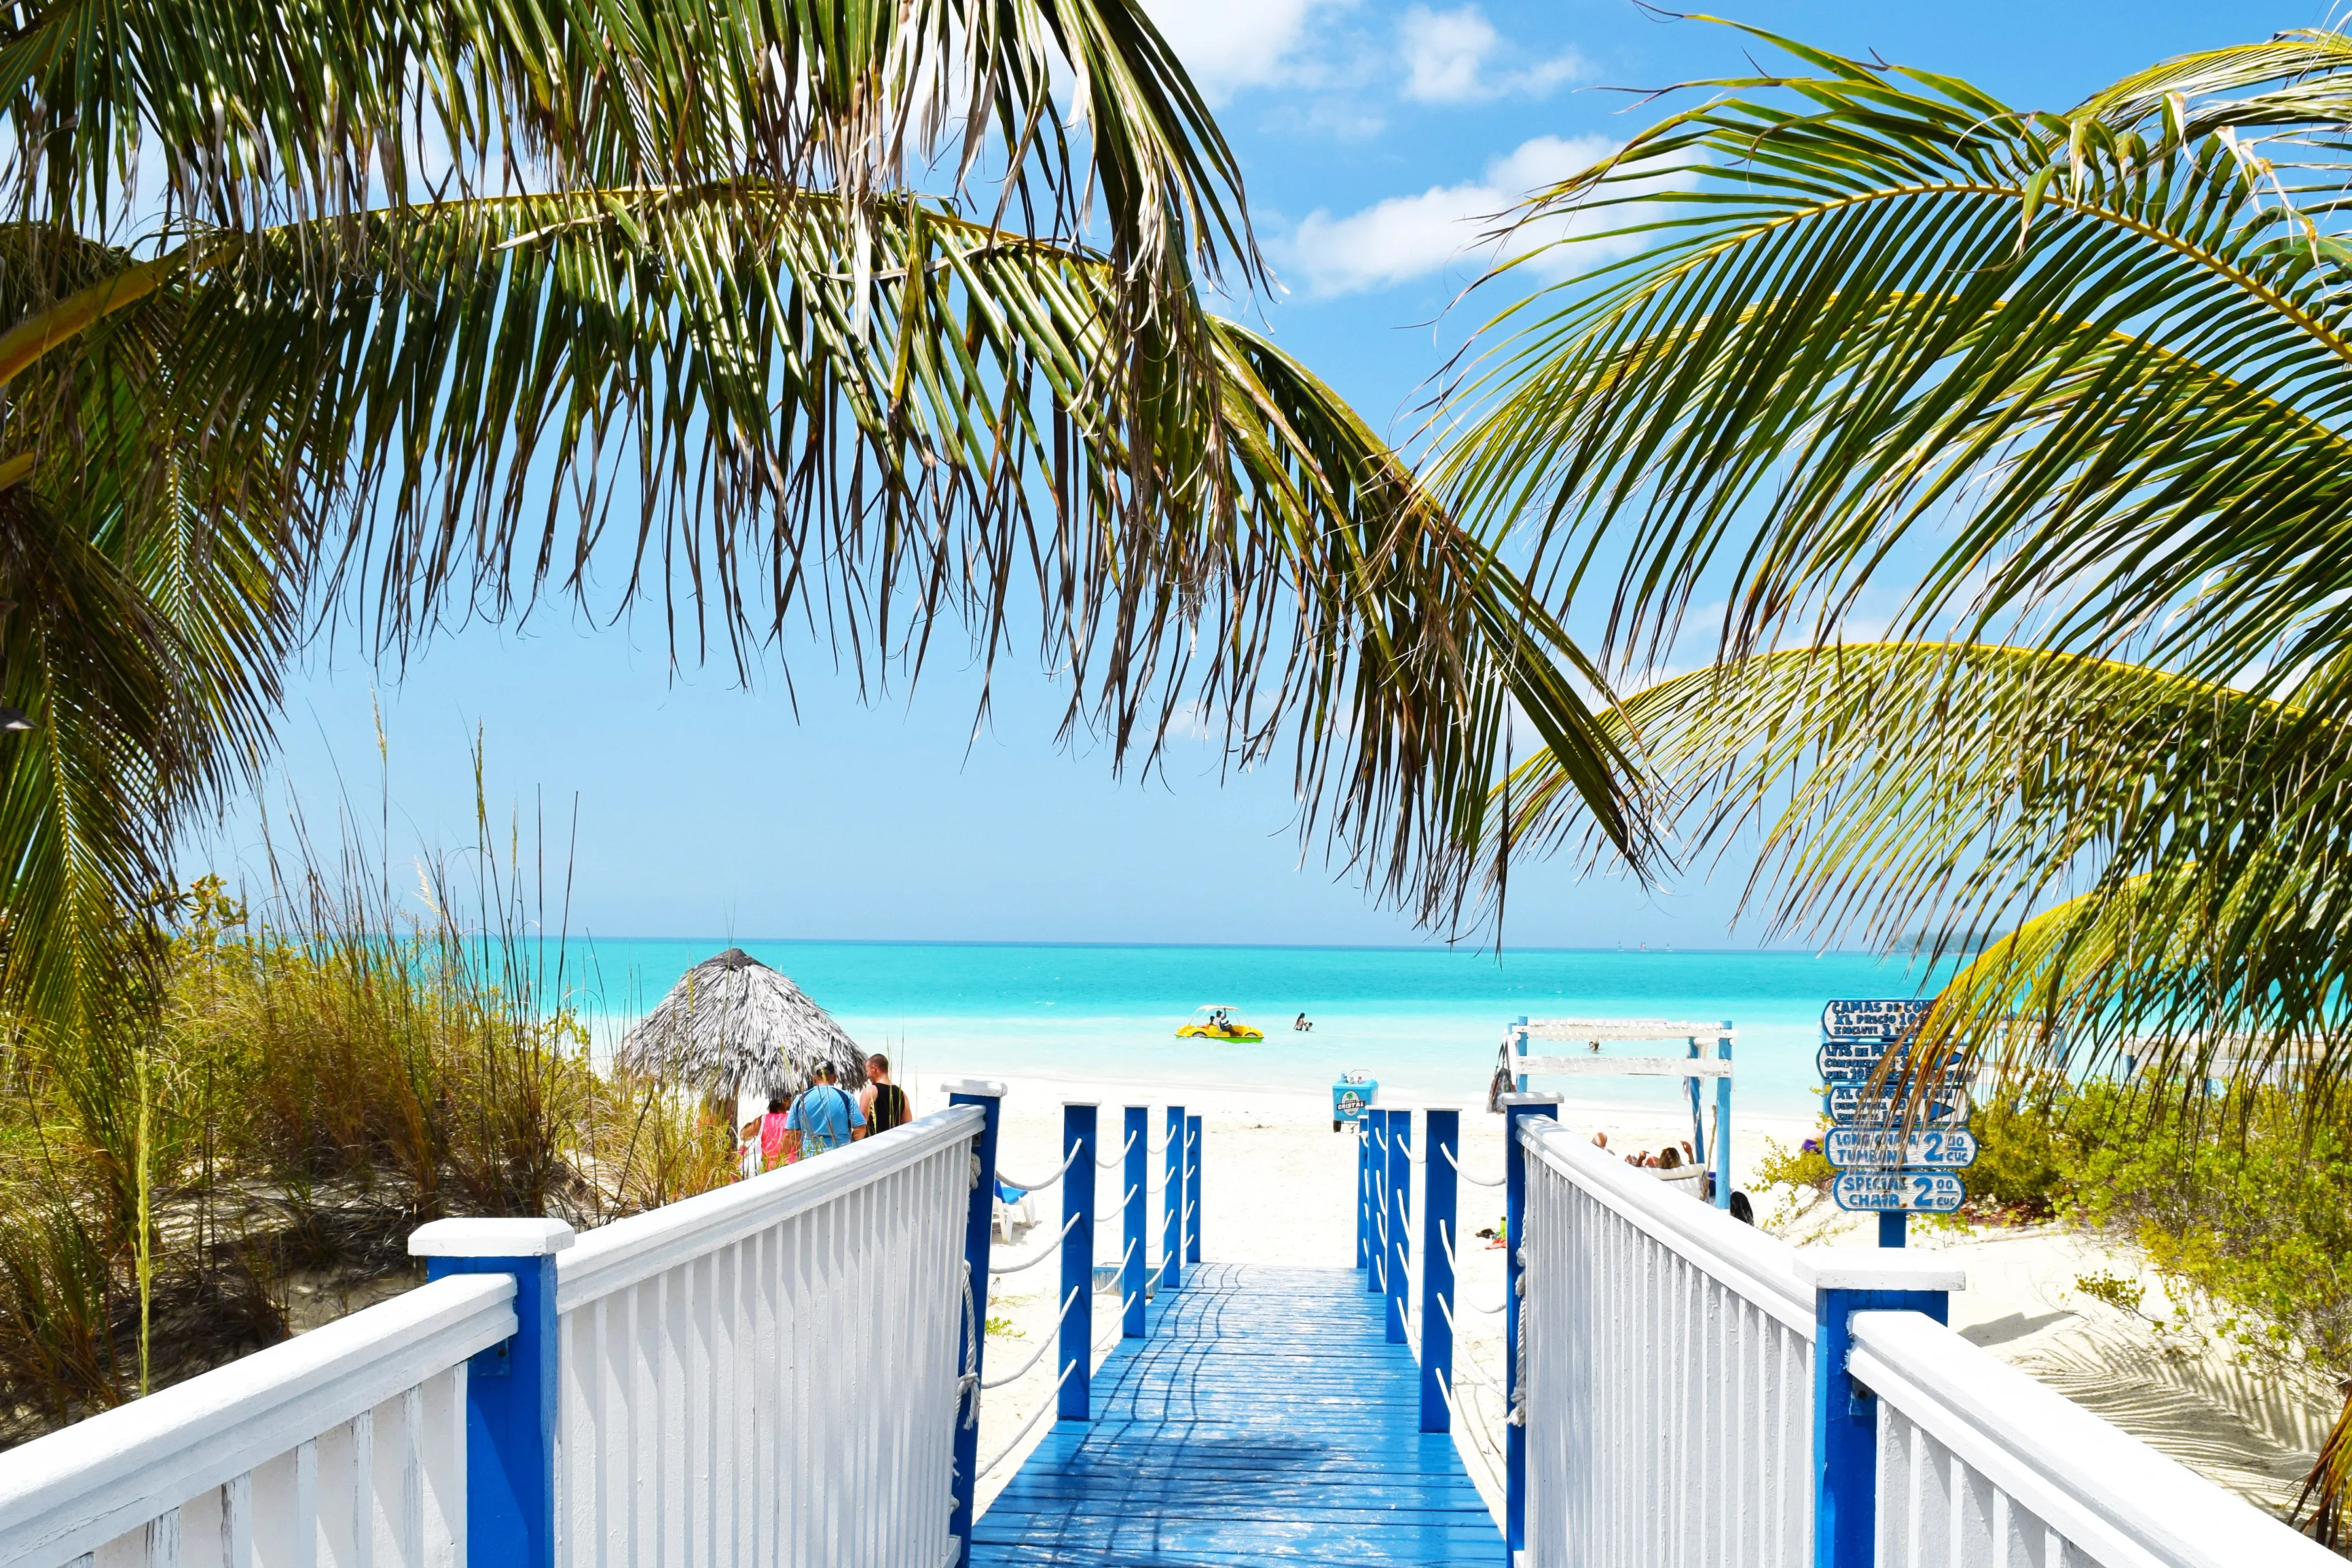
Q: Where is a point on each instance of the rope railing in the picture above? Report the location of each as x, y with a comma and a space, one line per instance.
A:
1050, 1249
1030, 1424
1007, 1178
1118, 1329
1113, 1213
1474, 1181
1115, 1159
1035, 1356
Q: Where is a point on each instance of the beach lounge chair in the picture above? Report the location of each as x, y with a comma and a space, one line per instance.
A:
1015, 1207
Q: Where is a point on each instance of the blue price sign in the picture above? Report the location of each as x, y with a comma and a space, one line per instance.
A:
1852, 1105
1870, 1018
1854, 1060
1899, 1192
1879, 1148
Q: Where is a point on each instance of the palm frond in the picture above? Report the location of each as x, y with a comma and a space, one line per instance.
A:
261, 116
2164, 859
2087, 349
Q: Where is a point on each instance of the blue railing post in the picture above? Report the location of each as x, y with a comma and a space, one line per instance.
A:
980, 1219
1076, 1402
1362, 1128
1133, 1171
1520, 1047
1399, 1256
510, 1389
1194, 1148
1172, 1195
1376, 1203
1846, 1415
1439, 1231
1517, 1109
1723, 1122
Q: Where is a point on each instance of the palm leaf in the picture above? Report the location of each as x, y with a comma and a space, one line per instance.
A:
2087, 348
2166, 856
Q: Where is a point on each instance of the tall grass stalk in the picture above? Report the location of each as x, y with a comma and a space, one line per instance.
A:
198, 1171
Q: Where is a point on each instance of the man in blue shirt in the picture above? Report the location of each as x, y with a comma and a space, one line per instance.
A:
824, 1116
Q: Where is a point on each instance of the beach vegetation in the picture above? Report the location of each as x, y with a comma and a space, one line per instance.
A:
2010, 444
326, 1070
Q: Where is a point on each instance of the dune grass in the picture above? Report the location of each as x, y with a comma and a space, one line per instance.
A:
194, 1174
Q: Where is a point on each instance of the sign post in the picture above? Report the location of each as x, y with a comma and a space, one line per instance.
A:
1899, 1123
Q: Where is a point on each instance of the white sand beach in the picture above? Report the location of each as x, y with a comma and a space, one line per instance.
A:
1277, 1185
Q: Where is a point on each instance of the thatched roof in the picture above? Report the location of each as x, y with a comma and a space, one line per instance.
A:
733, 1026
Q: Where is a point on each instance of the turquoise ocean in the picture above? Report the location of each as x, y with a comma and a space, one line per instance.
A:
1423, 1021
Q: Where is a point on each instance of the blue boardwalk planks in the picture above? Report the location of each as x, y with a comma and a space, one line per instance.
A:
1265, 1420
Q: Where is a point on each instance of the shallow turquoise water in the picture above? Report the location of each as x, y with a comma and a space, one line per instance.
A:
1423, 1021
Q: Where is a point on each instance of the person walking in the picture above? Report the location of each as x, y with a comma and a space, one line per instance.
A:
824, 1116
768, 1144
884, 1102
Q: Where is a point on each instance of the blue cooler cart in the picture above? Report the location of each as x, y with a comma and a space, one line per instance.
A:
1350, 1098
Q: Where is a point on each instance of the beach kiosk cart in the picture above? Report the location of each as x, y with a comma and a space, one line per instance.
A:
1350, 1098
1588, 1056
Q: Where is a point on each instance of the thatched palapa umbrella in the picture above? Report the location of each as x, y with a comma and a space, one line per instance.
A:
734, 1025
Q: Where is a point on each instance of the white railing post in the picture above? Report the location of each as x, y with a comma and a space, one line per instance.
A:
1439, 1230
980, 1220
1137, 1173
1172, 1195
510, 1389
1076, 1402
1397, 1255
1845, 1416
1518, 1109
1194, 1148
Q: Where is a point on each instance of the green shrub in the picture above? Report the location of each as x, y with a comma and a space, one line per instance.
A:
1802, 1168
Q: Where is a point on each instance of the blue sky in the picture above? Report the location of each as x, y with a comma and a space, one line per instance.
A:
1373, 137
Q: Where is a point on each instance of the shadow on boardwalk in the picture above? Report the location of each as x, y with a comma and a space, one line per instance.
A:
1263, 1420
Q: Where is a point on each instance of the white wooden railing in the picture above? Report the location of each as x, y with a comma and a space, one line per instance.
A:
781, 1371
769, 1372
345, 1446
1980, 1464
1684, 1335
1688, 1391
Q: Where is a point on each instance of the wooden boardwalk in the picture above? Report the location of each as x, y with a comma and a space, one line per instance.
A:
1263, 1420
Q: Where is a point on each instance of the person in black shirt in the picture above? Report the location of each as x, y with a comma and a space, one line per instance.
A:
884, 1102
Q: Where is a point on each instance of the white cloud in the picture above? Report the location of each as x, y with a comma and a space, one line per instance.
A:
1450, 57
1231, 44
1404, 238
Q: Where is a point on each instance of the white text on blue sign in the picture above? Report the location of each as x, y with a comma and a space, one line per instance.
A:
1904, 1191
1871, 1018
1948, 1148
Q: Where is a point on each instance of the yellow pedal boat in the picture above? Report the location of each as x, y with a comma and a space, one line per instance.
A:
1217, 1023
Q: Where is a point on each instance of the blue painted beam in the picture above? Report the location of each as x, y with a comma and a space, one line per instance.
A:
1195, 1148
1132, 1320
1439, 1230
1171, 1194
1075, 1403
1399, 1194
1376, 1197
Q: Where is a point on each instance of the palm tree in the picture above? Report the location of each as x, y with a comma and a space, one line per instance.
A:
2072, 395
882, 320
